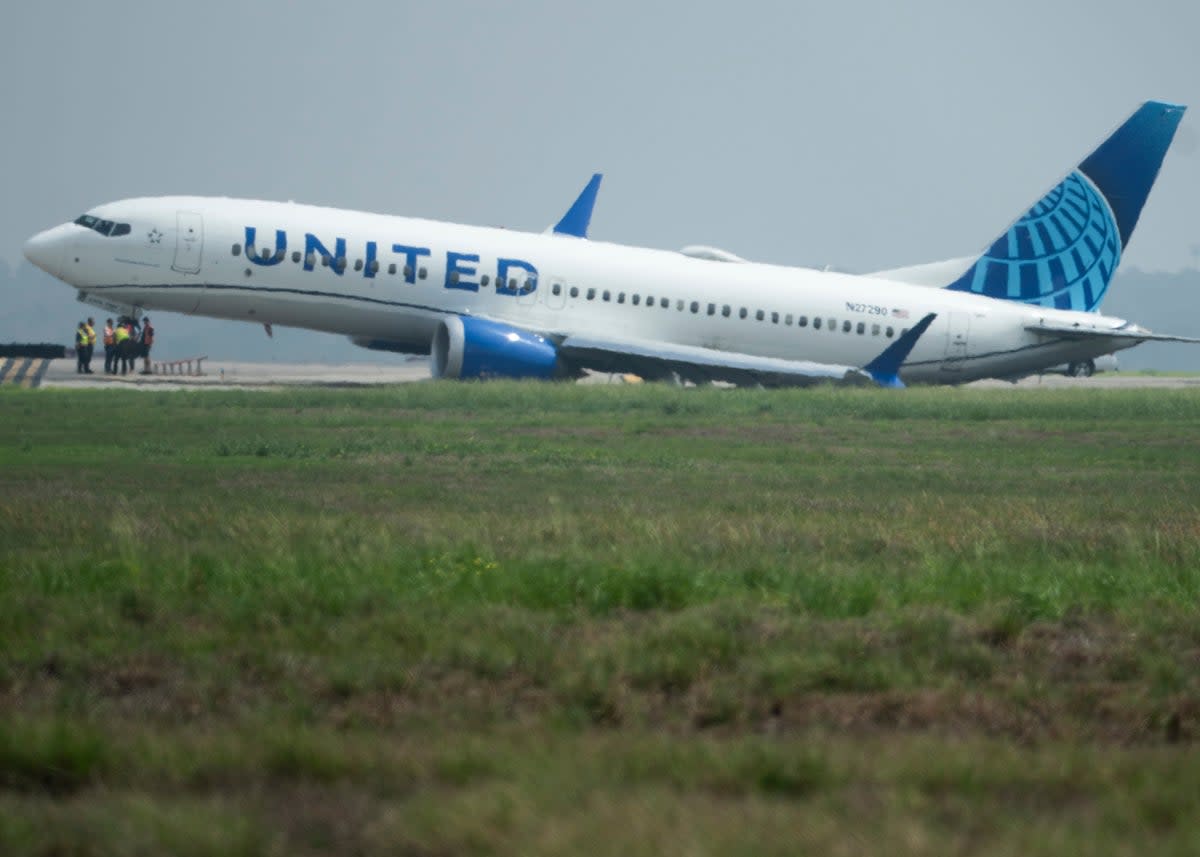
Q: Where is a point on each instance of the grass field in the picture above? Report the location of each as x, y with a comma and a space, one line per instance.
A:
451, 619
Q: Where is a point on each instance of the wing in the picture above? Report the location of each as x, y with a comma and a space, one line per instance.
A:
659, 360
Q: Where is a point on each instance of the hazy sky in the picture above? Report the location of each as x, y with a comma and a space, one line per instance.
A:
862, 135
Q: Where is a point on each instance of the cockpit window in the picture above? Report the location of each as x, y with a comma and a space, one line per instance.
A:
104, 227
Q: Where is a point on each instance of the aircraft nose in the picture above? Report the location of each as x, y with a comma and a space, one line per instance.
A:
47, 249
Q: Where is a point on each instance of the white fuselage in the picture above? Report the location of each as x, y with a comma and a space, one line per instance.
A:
402, 275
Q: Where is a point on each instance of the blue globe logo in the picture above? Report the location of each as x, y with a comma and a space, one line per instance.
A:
1061, 254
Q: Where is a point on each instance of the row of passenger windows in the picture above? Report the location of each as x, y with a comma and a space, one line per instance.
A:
726, 311
104, 227
606, 295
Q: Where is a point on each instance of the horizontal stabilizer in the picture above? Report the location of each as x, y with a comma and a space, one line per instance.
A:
575, 222
936, 274
1127, 334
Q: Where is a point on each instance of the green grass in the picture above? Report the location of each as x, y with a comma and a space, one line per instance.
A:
520, 618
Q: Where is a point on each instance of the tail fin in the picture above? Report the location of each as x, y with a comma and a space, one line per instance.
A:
1064, 251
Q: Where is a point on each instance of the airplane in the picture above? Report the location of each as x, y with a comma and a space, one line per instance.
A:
487, 302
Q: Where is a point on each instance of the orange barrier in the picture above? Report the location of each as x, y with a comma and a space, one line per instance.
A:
180, 367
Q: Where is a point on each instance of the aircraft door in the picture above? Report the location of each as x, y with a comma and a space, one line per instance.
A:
189, 242
957, 329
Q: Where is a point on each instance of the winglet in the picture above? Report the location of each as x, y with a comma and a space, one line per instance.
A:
885, 369
575, 221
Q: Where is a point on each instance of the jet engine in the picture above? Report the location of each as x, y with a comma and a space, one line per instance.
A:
466, 347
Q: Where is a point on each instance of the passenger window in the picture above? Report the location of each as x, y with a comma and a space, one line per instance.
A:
649, 300
787, 319
574, 292
556, 289
454, 276
422, 273
695, 307
341, 263
846, 326
296, 256
774, 318
237, 249
358, 264
874, 330
665, 303
483, 281
759, 315
392, 268
591, 294
802, 321
816, 323
833, 325
310, 260
607, 295
325, 261
725, 310
279, 255
679, 305
620, 297
743, 312
635, 299
512, 284
712, 309
861, 328
889, 332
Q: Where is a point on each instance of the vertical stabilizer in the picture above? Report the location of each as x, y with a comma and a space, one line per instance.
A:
1064, 251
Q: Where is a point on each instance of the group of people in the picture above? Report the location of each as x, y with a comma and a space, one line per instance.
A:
124, 343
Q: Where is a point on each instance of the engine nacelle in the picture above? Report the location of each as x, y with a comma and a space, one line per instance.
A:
466, 347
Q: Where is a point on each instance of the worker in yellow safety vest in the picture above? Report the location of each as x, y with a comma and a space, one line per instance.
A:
121, 340
91, 345
81, 342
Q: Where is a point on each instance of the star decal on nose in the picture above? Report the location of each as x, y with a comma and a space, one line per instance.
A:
155, 236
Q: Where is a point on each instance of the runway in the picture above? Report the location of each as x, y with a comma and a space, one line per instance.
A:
220, 374
232, 375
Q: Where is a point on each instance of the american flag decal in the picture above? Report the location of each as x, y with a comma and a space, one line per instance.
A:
899, 313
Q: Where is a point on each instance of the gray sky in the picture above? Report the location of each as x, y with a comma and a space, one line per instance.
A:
862, 135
